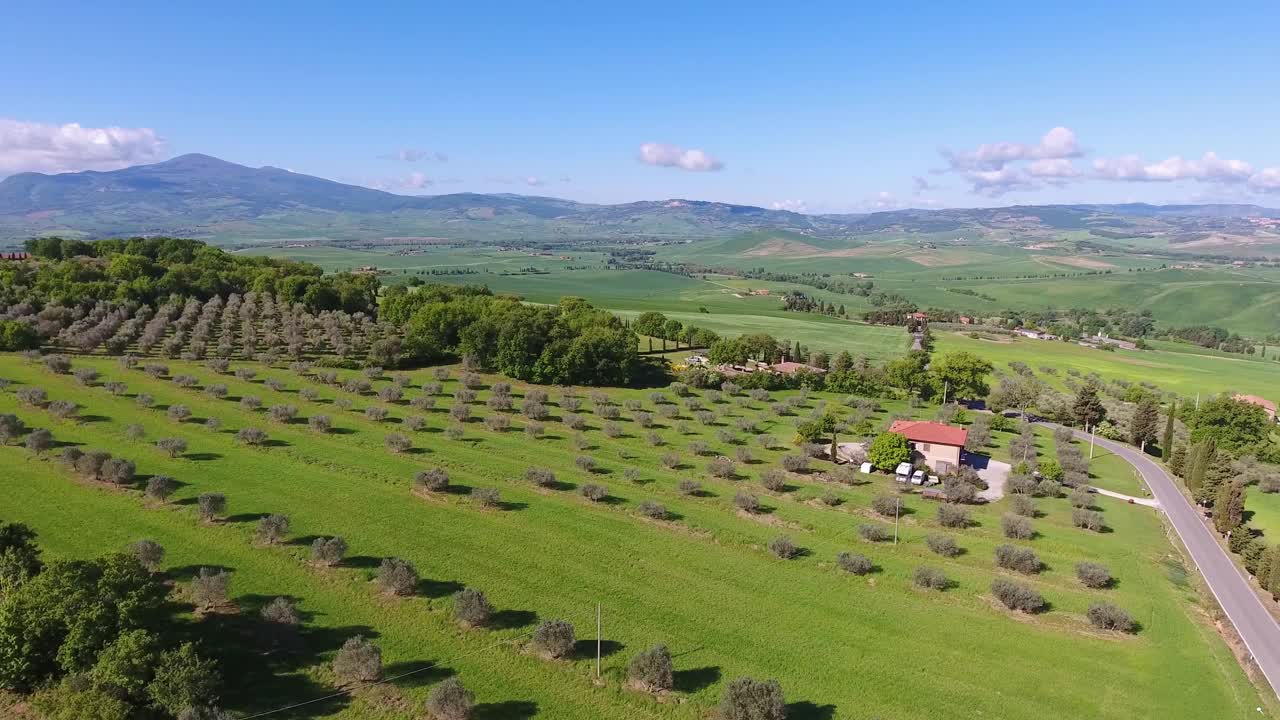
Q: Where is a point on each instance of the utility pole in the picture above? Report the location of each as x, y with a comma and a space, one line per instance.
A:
897, 503
598, 641
946, 385
1090, 429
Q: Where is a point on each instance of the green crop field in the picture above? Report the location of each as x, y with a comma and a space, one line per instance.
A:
702, 581
1185, 373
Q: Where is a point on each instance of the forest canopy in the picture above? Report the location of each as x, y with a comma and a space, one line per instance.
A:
148, 270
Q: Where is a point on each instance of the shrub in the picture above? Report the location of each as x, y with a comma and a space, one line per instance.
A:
579, 441
1088, 519
423, 402
86, 376
873, 533
959, 492
216, 391
1017, 596
435, 479
1080, 498
574, 422
328, 551
62, 409
210, 588
554, 638
178, 413
38, 441
251, 436
534, 429
376, 413
721, 467
1024, 560
585, 463
610, 428
472, 608
358, 661
282, 413
631, 475
117, 471
450, 700
35, 397
1105, 616
150, 554
747, 502
698, 447
944, 545
689, 487
454, 432
59, 364
398, 577
487, 497
670, 460
172, 446
795, 463
272, 529
594, 492
773, 480
211, 505
931, 578
854, 563
749, 699
652, 509
398, 443
212, 424
743, 455
320, 423
160, 487
1022, 505
1094, 575
250, 403
783, 547
651, 670
1016, 527
886, 505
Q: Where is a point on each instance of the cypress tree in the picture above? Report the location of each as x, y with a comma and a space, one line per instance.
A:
1228, 507
1272, 584
1196, 477
1178, 461
1146, 418
1166, 442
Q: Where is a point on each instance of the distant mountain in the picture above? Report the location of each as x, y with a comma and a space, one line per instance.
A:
202, 196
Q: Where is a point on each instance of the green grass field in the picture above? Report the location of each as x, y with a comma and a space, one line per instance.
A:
1185, 373
842, 646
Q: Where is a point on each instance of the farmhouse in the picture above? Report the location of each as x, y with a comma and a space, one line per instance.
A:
938, 444
1267, 405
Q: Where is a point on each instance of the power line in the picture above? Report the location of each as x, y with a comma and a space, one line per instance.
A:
348, 691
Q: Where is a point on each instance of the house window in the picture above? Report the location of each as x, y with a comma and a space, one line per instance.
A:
924, 447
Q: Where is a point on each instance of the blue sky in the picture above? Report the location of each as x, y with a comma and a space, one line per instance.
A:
824, 107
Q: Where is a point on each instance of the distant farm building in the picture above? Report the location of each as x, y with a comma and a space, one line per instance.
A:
15, 256
938, 444
1267, 405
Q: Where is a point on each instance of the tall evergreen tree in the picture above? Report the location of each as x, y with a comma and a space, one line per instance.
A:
1088, 409
1272, 582
1166, 441
1218, 473
1228, 508
1178, 461
1146, 419
1198, 464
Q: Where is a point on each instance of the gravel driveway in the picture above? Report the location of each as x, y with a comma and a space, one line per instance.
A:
993, 472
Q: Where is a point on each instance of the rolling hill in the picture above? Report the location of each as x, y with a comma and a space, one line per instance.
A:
201, 196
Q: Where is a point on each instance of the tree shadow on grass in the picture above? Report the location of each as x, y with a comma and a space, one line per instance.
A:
583, 649
362, 562
202, 456
93, 418
805, 710
512, 619
695, 679
184, 573
424, 673
274, 443
429, 588
508, 506
245, 517
508, 710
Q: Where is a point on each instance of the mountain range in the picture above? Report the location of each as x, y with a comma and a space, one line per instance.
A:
205, 197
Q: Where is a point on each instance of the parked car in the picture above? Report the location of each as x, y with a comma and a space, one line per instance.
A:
917, 478
903, 472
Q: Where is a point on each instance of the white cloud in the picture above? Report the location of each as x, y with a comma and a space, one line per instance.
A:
1060, 142
403, 184
1266, 180
662, 155
1210, 168
39, 147
415, 155
533, 181
1053, 169
795, 206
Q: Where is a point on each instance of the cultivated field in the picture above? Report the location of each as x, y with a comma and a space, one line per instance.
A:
701, 581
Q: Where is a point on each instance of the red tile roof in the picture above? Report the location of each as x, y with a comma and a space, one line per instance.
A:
930, 432
790, 368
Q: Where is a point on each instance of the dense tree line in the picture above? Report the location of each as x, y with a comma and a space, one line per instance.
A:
570, 343
150, 270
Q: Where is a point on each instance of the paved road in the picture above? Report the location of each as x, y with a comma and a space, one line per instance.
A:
1256, 626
